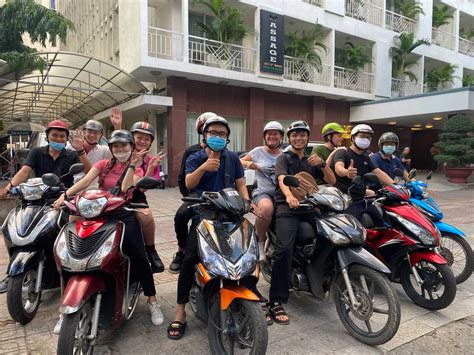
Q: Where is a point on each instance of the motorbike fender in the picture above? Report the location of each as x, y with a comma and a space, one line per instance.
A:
430, 256
22, 260
230, 292
348, 256
445, 227
78, 290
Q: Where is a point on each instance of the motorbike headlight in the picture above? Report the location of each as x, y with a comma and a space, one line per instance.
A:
104, 250
425, 191
32, 189
91, 208
60, 249
334, 236
213, 262
425, 236
250, 258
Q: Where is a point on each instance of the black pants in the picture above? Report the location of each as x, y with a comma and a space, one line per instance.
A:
287, 222
182, 217
358, 208
191, 258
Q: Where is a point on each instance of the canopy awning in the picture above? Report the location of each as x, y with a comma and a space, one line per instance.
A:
74, 87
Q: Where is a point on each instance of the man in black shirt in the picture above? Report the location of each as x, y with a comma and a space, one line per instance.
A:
352, 162
289, 214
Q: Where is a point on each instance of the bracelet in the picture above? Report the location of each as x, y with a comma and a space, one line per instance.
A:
323, 164
132, 166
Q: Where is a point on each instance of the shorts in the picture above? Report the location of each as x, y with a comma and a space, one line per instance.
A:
256, 199
138, 197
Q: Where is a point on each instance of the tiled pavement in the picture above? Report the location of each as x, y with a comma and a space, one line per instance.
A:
314, 327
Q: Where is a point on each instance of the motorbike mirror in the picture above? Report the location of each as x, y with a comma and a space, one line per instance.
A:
371, 177
148, 183
76, 169
412, 174
291, 181
398, 172
50, 179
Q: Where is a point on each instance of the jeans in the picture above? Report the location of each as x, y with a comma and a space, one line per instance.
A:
181, 219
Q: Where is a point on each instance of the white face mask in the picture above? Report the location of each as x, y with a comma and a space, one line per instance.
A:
362, 143
123, 156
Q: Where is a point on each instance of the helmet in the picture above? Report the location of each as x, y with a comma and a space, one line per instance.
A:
121, 136
361, 128
94, 125
388, 137
273, 125
57, 124
203, 117
143, 127
216, 120
298, 125
332, 127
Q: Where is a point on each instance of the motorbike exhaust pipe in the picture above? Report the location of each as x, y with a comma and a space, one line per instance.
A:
95, 318
39, 277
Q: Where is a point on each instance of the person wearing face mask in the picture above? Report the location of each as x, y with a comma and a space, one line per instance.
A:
385, 158
53, 158
347, 164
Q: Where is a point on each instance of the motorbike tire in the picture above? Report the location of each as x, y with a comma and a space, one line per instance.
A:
76, 324
257, 321
446, 250
449, 283
390, 327
22, 313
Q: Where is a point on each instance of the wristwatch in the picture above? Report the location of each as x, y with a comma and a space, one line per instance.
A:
323, 164
132, 166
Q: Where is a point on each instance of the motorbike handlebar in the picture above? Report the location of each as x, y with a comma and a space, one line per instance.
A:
193, 199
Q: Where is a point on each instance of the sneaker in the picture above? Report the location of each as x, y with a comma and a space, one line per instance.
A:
156, 264
157, 317
175, 265
59, 323
4, 284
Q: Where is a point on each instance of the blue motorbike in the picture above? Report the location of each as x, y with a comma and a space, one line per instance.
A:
454, 246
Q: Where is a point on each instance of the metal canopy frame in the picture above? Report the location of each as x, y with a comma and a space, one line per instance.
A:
74, 87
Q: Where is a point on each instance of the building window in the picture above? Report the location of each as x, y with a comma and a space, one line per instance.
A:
52, 4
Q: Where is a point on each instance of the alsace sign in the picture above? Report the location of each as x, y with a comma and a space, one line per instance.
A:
272, 38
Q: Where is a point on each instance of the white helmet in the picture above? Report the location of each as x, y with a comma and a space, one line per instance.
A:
201, 120
361, 128
273, 125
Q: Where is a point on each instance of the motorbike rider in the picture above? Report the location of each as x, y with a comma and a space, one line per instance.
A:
110, 173
386, 159
289, 214
53, 158
184, 214
211, 169
353, 162
333, 137
262, 159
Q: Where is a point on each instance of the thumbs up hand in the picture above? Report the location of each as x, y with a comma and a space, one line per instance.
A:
351, 170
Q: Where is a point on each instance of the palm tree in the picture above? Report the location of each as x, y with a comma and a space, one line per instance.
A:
354, 57
441, 16
305, 46
468, 80
400, 55
436, 78
408, 8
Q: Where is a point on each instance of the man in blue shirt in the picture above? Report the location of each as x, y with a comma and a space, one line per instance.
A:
385, 159
210, 169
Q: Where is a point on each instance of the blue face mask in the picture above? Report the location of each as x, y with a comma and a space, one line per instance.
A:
57, 146
216, 143
389, 149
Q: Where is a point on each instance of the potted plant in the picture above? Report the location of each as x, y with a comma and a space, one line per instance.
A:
438, 78
408, 8
353, 57
468, 80
456, 148
441, 16
304, 48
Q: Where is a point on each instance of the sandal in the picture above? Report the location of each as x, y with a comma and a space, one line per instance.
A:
268, 316
176, 326
277, 310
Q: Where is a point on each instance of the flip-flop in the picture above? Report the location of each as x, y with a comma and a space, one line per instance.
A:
176, 326
277, 310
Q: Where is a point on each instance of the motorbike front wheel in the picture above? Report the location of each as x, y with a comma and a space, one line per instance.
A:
74, 331
457, 251
22, 299
376, 318
438, 287
247, 328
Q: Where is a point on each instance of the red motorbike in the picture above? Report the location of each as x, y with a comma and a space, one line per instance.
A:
96, 282
409, 245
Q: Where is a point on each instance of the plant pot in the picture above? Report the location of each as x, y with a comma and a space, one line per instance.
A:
458, 175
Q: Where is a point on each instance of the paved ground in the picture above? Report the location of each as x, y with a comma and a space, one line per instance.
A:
314, 327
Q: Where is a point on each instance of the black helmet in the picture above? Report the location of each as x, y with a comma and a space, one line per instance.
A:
388, 137
143, 127
298, 125
216, 120
94, 125
121, 136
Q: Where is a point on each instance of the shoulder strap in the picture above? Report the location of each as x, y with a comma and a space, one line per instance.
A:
227, 169
118, 185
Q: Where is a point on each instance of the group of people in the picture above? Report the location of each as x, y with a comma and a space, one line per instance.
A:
210, 166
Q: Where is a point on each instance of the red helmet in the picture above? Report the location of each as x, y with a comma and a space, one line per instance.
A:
57, 124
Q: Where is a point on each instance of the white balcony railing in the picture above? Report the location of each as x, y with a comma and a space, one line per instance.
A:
299, 70
466, 46
165, 44
405, 88
353, 80
443, 39
399, 23
364, 11
319, 3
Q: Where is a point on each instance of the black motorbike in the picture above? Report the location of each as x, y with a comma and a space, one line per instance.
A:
30, 230
331, 264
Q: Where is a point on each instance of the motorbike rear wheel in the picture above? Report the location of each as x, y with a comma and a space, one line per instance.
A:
457, 251
22, 300
436, 278
377, 318
74, 331
247, 328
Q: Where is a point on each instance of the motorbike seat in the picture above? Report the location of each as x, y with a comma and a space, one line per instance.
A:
305, 234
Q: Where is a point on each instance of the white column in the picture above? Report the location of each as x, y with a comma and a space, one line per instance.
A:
458, 73
425, 22
456, 20
383, 69
185, 28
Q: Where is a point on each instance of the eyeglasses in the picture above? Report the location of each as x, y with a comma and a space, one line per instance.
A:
222, 134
